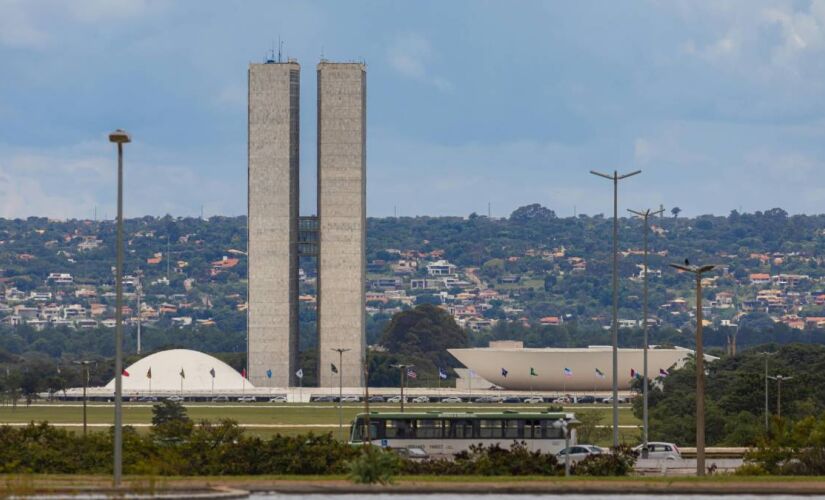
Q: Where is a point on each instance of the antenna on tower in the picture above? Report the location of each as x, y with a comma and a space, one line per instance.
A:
322, 53
280, 48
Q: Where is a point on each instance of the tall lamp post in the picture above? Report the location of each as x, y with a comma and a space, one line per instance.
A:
403, 369
697, 272
119, 137
767, 411
85, 363
646, 218
340, 351
779, 379
615, 328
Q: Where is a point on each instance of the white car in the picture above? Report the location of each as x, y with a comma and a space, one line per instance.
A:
533, 401
579, 452
451, 399
421, 399
278, 399
246, 399
660, 451
350, 399
563, 400
176, 399
394, 399
620, 400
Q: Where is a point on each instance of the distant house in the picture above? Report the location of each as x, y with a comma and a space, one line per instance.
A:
59, 279
759, 278
550, 321
155, 259
440, 268
225, 263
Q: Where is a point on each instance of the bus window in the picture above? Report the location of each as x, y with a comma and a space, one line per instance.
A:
511, 428
461, 429
399, 429
358, 430
428, 429
489, 429
532, 429
551, 432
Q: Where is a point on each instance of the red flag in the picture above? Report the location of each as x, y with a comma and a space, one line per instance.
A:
125, 373
243, 373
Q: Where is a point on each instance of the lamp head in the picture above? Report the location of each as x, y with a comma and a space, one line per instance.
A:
120, 136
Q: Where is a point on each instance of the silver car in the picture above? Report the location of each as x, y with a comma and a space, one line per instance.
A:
451, 399
579, 452
278, 399
660, 451
421, 399
394, 399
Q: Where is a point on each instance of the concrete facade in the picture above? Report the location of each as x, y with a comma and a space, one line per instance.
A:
342, 206
273, 222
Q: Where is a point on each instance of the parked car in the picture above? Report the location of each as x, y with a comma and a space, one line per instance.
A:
146, 399
609, 399
563, 400
659, 450
511, 399
176, 399
394, 399
585, 399
277, 399
579, 452
451, 399
483, 399
412, 453
376, 399
534, 400
246, 399
324, 399
220, 399
421, 399
350, 399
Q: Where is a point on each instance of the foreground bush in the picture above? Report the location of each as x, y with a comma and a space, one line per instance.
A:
617, 463
490, 461
374, 465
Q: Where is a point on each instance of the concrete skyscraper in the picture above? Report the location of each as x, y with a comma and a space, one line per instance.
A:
342, 204
278, 236
274, 91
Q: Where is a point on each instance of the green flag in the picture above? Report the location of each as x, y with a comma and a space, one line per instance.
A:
533, 372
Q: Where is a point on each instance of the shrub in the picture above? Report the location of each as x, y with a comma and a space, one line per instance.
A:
374, 465
618, 463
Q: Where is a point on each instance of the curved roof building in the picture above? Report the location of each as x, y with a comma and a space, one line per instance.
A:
166, 368
572, 369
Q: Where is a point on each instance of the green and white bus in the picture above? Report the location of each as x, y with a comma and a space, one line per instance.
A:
447, 433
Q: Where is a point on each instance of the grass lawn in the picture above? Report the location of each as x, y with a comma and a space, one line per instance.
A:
268, 419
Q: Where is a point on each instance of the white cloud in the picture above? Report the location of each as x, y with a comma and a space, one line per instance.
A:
409, 56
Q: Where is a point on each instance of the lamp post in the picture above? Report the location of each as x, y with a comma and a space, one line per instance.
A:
767, 412
119, 137
698, 271
646, 217
402, 368
85, 363
340, 351
779, 379
615, 328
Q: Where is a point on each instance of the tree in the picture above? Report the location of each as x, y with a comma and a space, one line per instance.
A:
425, 331
534, 212
675, 211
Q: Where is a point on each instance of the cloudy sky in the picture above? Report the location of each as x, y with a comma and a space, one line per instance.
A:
720, 103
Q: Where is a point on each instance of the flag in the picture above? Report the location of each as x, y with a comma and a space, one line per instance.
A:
599, 373
300, 373
333, 368
125, 373
243, 372
663, 372
504, 373
182, 373
634, 374
442, 374
568, 372
149, 373
533, 372
212, 372
411, 373
269, 374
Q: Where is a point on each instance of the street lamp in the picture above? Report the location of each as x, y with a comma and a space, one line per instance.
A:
85, 363
120, 137
646, 217
403, 369
767, 411
698, 271
615, 330
340, 351
779, 379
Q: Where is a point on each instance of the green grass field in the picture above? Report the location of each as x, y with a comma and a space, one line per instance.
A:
264, 419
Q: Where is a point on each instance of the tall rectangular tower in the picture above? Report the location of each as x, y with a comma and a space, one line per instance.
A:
273, 222
342, 92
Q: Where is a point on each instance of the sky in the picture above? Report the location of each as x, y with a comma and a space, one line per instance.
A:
470, 104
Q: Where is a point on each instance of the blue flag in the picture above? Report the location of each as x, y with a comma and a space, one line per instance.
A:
269, 374
442, 374
504, 373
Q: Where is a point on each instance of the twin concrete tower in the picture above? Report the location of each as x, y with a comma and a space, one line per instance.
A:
278, 235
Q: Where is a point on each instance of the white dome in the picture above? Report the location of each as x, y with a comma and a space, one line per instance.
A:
166, 367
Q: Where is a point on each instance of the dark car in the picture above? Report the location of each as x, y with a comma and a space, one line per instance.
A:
376, 399
585, 399
324, 399
511, 399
